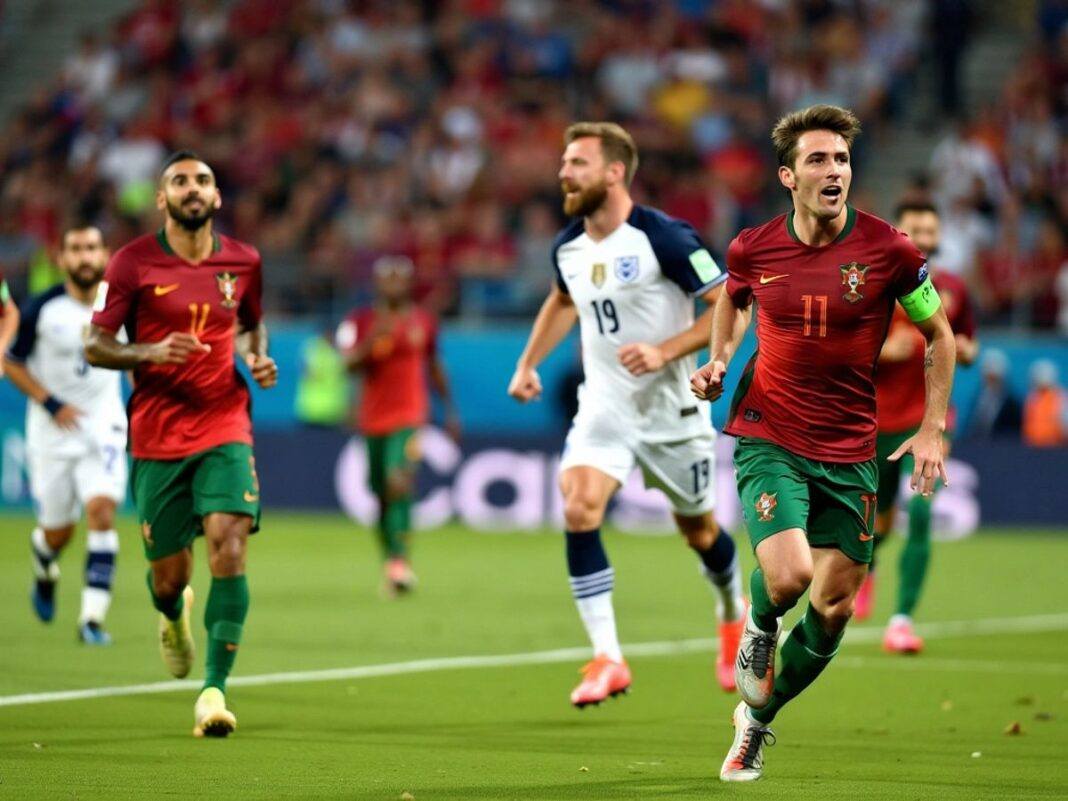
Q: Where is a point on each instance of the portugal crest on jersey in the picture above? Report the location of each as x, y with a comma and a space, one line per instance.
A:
765, 506
227, 288
853, 277
597, 274
626, 268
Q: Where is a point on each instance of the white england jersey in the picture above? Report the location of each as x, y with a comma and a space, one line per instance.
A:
50, 343
637, 285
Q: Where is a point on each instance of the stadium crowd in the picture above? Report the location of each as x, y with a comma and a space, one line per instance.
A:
343, 130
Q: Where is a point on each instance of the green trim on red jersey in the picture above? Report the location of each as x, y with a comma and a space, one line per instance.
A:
744, 383
851, 220
161, 237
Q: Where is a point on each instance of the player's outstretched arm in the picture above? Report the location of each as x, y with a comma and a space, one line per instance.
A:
554, 320
252, 345
729, 324
926, 445
102, 349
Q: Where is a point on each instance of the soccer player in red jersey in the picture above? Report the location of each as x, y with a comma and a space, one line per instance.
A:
826, 278
182, 294
393, 344
899, 394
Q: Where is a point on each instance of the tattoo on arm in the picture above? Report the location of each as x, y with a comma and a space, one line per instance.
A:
928, 358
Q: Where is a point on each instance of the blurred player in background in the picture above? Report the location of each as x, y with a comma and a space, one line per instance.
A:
899, 384
75, 432
182, 294
629, 274
825, 278
393, 345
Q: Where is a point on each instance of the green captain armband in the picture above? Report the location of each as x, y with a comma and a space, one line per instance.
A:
5, 293
921, 302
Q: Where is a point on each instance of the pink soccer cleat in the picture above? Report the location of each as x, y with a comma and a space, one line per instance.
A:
601, 678
901, 639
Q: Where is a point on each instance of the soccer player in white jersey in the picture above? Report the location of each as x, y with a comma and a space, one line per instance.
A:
629, 274
75, 432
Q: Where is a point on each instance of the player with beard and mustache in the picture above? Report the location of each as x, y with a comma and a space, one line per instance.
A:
182, 293
75, 432
629, 274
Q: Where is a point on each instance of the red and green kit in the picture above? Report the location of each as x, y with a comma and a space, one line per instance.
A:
822, 316
190, 427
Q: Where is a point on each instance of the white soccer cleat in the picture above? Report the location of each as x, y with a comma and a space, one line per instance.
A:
176, 639
754, 669
745, 760
210, 715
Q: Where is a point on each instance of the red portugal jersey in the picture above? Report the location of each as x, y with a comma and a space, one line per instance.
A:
181, 409
900, 387
822, 315
395, 391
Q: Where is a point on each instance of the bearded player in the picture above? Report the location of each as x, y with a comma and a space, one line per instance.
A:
75, 433
899, 399
182, 293
825, 278
629, 274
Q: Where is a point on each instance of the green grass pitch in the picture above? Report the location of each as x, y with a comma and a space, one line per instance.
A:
872, 727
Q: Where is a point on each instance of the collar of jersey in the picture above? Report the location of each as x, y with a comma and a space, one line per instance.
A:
161, 237
851, 219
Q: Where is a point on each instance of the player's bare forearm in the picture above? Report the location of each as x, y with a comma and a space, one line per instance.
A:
254, 341
24, 381
938, 365
555, 318
9, 324
102, 349
729, 324
697, 335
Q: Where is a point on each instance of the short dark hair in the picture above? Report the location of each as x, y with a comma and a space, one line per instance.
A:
914, 207
77, 225
616, 143
179, 155
788, 130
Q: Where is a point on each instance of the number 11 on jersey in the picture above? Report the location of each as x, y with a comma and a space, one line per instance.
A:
199, 318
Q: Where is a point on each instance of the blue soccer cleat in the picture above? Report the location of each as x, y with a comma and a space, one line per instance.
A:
92, 633
43, 599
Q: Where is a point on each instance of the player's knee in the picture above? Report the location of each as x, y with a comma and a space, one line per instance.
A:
167, 586
787, 587
399, 485
582, 510
702, 538
100, 514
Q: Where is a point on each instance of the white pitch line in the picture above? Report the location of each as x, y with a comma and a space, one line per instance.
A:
863, 634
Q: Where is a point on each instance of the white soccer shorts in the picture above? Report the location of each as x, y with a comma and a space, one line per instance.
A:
61, 486
683, 470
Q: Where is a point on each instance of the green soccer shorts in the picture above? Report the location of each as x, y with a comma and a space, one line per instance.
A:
834, 504
388, 453
173, 495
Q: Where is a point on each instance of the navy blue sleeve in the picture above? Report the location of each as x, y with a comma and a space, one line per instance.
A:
572, 231
26, 337
683, 257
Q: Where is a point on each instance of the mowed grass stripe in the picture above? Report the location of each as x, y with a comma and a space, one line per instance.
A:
858, 635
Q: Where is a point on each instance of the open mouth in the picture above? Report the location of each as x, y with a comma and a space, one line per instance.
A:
831, 192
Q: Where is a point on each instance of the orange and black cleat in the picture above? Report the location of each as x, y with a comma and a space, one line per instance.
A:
730, 635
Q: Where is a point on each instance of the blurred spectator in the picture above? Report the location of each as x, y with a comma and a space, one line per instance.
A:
1045, 415
996, 412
